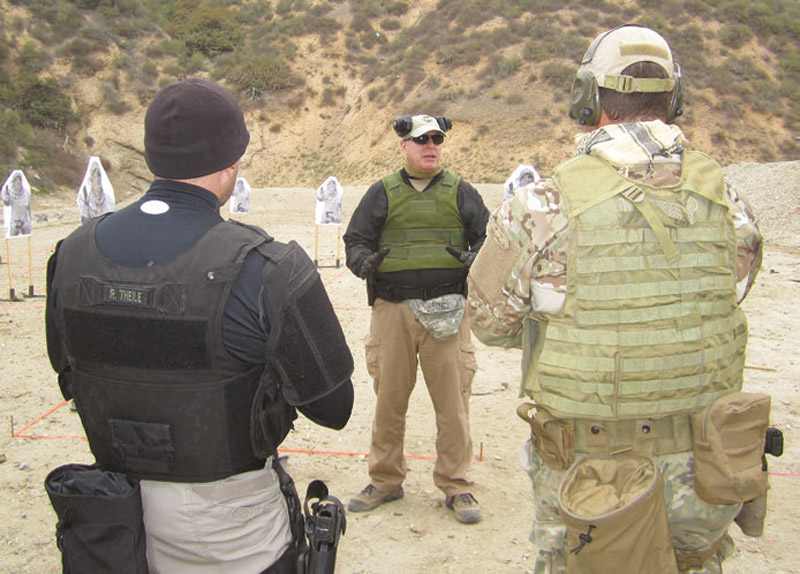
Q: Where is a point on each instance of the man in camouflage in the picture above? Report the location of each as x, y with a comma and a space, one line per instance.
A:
527, 274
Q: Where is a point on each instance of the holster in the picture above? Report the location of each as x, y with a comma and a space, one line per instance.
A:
326, 522
296, 522
100, 523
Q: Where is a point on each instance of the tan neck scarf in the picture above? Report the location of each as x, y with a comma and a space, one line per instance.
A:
418, 174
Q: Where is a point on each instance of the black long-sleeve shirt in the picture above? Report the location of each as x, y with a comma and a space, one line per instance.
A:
136, 237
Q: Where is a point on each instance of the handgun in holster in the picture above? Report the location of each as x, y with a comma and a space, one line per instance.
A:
325, 524
753, 513
773, 445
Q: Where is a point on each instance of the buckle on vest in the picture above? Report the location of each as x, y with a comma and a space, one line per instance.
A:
635, 194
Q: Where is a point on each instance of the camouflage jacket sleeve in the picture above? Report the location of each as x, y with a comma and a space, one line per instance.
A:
521, 266
749, 243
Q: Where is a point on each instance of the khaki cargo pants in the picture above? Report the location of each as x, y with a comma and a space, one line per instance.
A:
396, 342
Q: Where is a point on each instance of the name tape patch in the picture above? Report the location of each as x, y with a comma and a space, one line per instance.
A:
128, 296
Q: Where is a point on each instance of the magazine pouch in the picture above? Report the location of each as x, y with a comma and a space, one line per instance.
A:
729, 447
616, 519
100, 524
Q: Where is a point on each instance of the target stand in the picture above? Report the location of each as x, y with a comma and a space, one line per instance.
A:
317, 260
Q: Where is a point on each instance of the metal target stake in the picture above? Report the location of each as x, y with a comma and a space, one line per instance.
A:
12, 296
338, 248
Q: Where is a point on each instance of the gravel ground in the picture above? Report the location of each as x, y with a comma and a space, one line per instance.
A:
774, 192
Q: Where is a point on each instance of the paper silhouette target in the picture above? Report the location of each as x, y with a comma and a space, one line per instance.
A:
240, 200
16, 205
96, 195
524, 174
329, 202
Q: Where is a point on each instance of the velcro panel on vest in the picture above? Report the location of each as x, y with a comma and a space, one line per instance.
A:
156, 342
307, 345
312, 353
159, 431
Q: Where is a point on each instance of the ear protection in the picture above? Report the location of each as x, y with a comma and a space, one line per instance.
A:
403, 124
676, 102
585, 94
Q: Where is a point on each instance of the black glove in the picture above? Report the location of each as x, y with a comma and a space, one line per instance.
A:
466, 257
371, 263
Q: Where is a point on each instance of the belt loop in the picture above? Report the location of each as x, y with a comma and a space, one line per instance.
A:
596, 437
644, 441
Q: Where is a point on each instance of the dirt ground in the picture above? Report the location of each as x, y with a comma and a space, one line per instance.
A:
416, 534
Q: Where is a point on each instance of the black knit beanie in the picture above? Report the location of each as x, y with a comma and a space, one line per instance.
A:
193, 128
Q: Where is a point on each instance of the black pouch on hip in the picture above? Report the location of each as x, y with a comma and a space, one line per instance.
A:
100, 523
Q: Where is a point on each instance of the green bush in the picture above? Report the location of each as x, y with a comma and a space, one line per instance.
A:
86, 65
558, 75
790, 63
283, 7
45, 104
208, 30
13, 130
735, 36
191, 64
149, 72
260, 74
396, 8
53, 165
390, 24
31, 59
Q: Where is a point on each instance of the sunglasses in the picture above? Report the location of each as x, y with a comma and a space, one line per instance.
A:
437, 139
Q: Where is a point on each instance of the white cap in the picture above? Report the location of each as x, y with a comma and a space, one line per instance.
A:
423, 124
613, 51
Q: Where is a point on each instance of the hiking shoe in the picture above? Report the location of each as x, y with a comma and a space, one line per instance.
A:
466, 508
372, 497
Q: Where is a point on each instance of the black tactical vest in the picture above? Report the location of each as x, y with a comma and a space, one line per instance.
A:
159, 395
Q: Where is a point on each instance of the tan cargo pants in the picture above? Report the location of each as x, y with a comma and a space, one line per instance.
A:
396, 341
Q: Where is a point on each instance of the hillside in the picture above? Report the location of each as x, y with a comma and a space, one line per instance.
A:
321, 80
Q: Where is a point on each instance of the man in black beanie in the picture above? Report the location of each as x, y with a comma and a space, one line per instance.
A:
189, 342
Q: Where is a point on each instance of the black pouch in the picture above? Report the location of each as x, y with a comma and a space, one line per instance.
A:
100, 523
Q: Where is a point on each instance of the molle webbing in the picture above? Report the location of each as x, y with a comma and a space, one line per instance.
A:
641, 334
420, 224
672, 434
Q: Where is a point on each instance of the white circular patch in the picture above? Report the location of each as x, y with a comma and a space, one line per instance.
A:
154, 207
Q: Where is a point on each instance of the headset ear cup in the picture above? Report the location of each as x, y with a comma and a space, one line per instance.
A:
402, 125
676, 101
585, 99
444, 123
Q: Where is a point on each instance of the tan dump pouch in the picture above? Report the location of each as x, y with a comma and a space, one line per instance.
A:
729, 438
553, 439
613, 508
